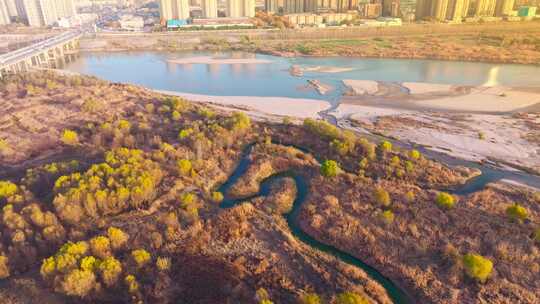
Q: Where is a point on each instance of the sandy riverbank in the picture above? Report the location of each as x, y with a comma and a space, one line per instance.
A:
440, 97
280, 106
476, 137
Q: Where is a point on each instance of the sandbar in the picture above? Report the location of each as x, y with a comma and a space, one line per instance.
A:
361, 87
282, 106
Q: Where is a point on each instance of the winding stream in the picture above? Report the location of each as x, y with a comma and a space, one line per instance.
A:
395, 293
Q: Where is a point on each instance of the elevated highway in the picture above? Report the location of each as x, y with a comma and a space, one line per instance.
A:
50, 53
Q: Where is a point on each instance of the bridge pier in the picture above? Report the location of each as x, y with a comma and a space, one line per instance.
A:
53, 53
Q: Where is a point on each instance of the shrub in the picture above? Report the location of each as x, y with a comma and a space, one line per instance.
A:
175, 116
187, 199
48, 267
79, 283
163, 263
89, 263
477, 267
536, 235
70, 137
185, 133
239, 121
409, 196
382, 197
217, 197
415, 154
7, 189
387, 216
184, 166
395, 161
124, 125
342, 147
350, 298
117, 237
126, 179
101, 246
409, 166
110, 270
77, 249
445, 200
329, 168
131, 282
385, 146
322, 128
310, 298
141, 257
4, 267
516, 212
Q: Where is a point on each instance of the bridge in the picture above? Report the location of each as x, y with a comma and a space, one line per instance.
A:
51, 53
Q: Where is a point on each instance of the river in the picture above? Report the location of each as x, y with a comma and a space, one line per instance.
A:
155, 70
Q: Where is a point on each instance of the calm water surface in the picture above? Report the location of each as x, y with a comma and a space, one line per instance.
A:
152, 69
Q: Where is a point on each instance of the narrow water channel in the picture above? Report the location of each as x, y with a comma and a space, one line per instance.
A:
397, 295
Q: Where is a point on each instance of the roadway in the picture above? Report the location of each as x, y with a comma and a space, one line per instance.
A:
34, 49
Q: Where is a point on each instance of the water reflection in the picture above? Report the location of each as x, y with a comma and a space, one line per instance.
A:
493, 76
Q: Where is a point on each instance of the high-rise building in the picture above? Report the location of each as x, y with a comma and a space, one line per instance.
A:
5, 18
455, 11
407, 7
11, 8
423, 9
209, 8
173, 9
240, 8
370, 10
249, 8
466, 7
347, 5
271, 6
439, 9
310, 6
504, 7
44, 12
390, 8
485, 8
293, 6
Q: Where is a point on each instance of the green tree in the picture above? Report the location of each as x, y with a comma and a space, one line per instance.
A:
445, 200
117, 237
415, 154
385, 146
141, 257
477, 267
516, 212
382, 197
110, 270
70, 138
350, 298
310, 298
79, 283
329, 168
387, 216
184, 166
536, 235
217, 197
395, 161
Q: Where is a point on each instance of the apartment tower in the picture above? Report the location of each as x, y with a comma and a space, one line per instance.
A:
209, 8
5, 18
173, 9
485, 8
504, 7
